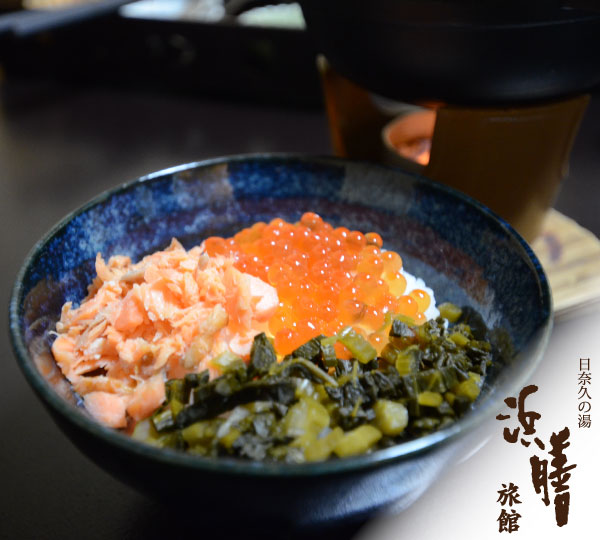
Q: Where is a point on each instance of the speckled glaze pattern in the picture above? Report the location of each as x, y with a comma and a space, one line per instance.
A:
465, 253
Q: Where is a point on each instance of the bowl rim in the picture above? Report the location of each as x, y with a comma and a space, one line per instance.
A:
232, 466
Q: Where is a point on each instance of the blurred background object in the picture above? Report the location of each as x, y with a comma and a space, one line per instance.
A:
505, 83
186, 46
462, 52
53, 4
23, 20
511, 158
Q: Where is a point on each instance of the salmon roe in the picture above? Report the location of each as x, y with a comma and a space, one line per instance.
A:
325, 278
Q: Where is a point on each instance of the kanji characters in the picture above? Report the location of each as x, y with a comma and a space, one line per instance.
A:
584, 380
507, 521
508, 495
557, 476
585, 420
527, 419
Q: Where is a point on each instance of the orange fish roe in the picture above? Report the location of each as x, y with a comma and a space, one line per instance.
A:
326, 278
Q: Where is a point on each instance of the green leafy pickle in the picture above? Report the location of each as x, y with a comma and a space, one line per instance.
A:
311, 405
360, 348
262, 355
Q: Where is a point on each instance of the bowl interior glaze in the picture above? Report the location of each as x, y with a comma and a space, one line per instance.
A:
464, 252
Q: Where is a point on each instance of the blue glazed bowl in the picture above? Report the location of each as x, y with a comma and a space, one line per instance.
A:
464, 252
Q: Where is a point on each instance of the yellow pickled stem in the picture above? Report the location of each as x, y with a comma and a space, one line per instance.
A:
450, 311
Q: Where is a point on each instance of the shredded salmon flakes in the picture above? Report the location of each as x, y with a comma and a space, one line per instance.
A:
160, 318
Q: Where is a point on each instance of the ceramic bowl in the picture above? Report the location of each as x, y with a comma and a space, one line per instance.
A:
464, 252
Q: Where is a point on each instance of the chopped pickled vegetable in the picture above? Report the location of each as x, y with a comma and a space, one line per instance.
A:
360, 348
390, 417
430, 399
176, 389
468, 389
230, 437
311, 350
221, 395
262, 355
301, 367
311, 405
320, 449
228, 362
328, 352
144, 431
460, 339
199, 433
163, 420
401, 334
305, 416
357, 441
408, 360
450, 312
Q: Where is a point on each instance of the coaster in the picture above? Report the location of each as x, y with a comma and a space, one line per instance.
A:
570, 256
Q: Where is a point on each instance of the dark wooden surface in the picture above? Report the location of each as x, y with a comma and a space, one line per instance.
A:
59, 147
